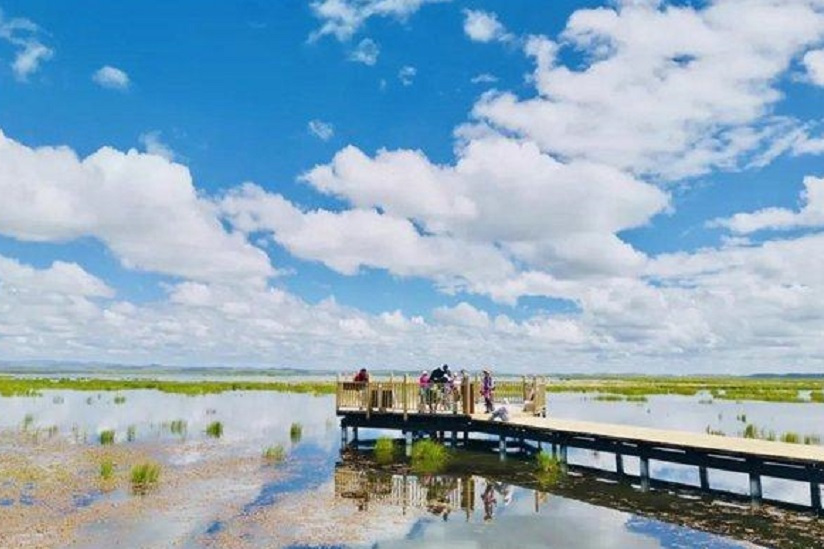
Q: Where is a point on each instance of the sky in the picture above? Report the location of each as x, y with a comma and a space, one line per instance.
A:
566, 186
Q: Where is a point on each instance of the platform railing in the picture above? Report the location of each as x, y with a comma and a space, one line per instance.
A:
407, 396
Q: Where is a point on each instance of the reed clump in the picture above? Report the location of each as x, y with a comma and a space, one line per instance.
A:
106, 469
178, 427
214, 429
547, 468
119, 399
429, 457
295, 432
106, 437
144, 477
384, 450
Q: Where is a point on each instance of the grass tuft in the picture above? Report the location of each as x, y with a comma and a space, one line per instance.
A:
295, 432
429, 457
274, 454
106, 469
384, 450
178, 427
107, 437
119, 399
144, 477
214, 429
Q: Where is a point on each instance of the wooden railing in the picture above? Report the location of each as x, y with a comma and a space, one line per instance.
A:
404, 395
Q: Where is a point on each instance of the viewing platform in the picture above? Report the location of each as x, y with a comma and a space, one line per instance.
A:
399, 404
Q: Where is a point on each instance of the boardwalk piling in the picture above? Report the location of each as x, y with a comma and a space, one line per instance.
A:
502, 447
619, 464
644, 470
703, 476
755, 484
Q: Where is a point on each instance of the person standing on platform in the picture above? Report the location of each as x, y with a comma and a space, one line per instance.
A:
488, 391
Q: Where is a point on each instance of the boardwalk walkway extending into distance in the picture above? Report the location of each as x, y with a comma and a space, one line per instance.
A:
399, 404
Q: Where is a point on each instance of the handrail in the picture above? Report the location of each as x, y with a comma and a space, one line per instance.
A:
406, 396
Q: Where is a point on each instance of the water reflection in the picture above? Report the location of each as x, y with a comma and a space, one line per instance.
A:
502, 505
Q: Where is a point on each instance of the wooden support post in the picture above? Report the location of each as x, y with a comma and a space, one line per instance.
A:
405, 397
454, 439
644, 469
619, 463
355, 435
562, 456
344, 436
554, 451
522, 444
466, 438
815, 489
755, 482
502, 447
704, 477
408, 437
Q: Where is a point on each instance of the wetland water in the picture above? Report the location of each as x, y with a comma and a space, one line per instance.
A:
220, 492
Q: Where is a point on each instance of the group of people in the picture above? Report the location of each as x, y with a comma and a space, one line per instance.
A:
440, 389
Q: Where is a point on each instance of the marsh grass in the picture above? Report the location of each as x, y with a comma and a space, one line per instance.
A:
791, 438
119, 399
214, 429
144, 477
131, 433
384, 450
106, 469
28, 422
274, 454
547, 469
812, 439
106, 437
716, 432
295, 432
429, 457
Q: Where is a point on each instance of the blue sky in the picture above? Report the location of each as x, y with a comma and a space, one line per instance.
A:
583, 186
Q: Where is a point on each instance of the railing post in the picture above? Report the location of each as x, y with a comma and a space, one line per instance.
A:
523, 388
815, 489
368, 396
337, 392
704, 477
404, 395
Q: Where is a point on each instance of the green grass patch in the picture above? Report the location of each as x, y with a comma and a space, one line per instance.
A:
106, 469
119, 399
144, 477
791, 438
385, 450
274, 454
295, 432
106, 437
429, 457
214, 429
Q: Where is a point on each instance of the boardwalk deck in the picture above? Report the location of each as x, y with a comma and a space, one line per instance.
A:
401, 409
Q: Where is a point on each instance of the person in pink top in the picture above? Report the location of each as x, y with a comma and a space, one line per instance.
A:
423, 390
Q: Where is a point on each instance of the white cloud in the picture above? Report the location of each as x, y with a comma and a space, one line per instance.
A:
111, 78
143, 207
153, 144
366, 52
482, 26
810, 215
320, 129
407, 75
814, 63
668, 92
463, 314
343, 18
507, 194
24, 35
484, 78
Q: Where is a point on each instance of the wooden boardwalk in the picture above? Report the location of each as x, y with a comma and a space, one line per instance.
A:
401, 405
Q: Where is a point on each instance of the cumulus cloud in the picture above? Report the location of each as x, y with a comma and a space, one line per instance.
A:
365, 52
153, 144
143, 207
24, 35
463, 314
670, 91
320, 129
814, 64
482, 26
407, 75
111, 78
810, 215
343, 18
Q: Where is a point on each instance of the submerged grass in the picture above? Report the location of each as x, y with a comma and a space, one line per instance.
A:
547, 469
429, 457
144, 477
119, 399
178, 427
384, 450
214, 429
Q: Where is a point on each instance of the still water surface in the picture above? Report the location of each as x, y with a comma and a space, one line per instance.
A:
330, 498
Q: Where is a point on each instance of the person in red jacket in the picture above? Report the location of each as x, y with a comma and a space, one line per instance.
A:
362, 376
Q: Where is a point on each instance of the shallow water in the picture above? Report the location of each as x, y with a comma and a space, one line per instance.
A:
239, 507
